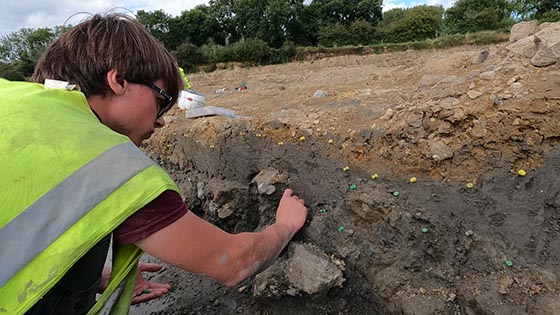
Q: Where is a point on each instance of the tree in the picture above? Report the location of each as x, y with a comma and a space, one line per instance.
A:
423, 22
162, 26
221, 11
361, 32
417, 23
347, 11
536, 9
189, 57
27, 43
334, 35
477, 15
197, 26
10, 72
268, 20
392, 16
20, 50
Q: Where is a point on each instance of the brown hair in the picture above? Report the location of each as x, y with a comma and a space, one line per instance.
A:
85, 54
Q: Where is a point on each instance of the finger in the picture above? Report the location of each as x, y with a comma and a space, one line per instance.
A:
144, 297
302, 201
150, 267
288, 192
147, 285
155, 285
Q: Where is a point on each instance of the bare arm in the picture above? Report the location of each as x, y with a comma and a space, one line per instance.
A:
200, 247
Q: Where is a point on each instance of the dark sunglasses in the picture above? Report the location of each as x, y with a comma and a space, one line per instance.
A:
163, 104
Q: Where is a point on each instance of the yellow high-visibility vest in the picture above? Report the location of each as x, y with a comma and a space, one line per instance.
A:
66, 182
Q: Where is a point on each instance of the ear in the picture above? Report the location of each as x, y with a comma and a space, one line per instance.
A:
116, 83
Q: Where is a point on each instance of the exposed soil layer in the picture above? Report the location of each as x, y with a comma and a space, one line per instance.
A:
431, 246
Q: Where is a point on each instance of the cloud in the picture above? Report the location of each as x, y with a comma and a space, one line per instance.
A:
18, 14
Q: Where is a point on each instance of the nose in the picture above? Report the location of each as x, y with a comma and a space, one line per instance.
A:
160, 122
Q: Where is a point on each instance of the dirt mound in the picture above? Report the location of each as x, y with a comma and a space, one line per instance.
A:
348, 134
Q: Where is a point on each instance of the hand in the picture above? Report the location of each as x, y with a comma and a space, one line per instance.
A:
145, 290
291, 211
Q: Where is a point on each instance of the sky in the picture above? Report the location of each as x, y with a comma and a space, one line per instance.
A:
18, 14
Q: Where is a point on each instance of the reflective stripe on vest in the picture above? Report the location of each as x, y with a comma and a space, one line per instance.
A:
61, 207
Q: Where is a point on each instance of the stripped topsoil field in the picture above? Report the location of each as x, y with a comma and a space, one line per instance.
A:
468, 236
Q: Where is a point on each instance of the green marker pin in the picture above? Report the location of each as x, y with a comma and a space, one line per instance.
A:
341, 229
352, 187
425, 230
509, 263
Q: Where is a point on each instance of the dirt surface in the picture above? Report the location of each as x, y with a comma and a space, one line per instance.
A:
348, 133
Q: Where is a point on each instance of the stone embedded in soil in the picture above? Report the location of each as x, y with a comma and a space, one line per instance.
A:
307, 270
373, 205
474, 94
488, 75
440, 151
266, 179
312, 272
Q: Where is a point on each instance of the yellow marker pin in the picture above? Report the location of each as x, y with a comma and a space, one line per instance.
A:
280, 143
331, 141
346, 168
258, 135
521, 172
412, 180
470, 185
302, 138
375, 176
212, 146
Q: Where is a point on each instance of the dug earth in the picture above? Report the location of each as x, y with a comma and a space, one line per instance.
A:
432, 180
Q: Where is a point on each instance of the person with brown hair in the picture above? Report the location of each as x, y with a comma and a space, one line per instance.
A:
73, 175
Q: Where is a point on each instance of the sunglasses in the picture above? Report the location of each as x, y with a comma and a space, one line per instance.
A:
163, 104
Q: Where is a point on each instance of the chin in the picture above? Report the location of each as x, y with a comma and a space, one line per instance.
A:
138, 143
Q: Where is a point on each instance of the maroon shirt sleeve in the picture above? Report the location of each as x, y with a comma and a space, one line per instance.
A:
159, 213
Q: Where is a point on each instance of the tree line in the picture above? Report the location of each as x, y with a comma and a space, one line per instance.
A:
269, 31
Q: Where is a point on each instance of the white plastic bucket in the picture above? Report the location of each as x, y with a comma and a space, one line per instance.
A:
189, 99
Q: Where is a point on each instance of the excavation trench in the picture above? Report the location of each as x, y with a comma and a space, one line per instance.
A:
382, 245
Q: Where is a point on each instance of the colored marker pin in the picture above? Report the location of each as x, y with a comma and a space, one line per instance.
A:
322, 210
412, 180
470, 185
469, 233
396, 193
331, 141
341, 229
352, 187
280, 143
425, 230
521, 172
302, 138
509, 263
375, 176
346, 168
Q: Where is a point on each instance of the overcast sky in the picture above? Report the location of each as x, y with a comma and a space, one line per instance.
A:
17, 14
